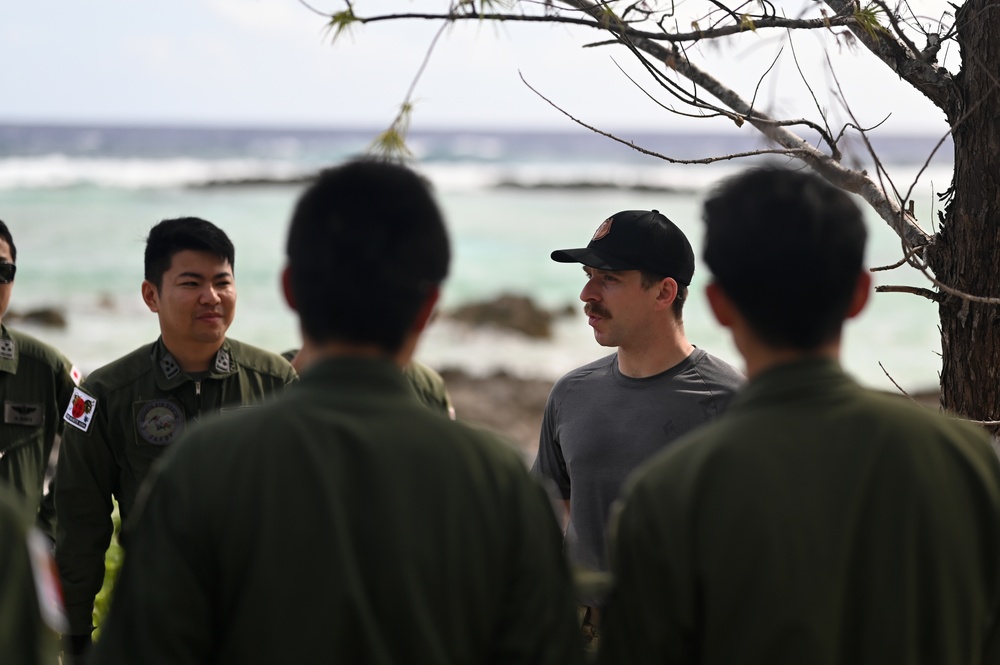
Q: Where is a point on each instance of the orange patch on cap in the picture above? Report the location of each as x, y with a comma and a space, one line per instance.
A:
603, 230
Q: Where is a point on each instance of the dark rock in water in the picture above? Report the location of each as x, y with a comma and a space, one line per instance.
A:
594, 184
50, 317
511, 312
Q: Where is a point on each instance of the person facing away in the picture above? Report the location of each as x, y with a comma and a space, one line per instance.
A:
35, 384
127, 413
352, 523
817, 521
606, 418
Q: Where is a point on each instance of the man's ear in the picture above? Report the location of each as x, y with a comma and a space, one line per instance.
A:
286, 288
722, 306
862, 290
667, 292
151, 295
426, 310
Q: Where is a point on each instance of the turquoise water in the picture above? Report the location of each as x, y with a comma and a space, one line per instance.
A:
80, 223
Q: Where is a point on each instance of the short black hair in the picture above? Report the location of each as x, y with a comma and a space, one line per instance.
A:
367, 244
787, 248
648, 279
175, 235
5, 235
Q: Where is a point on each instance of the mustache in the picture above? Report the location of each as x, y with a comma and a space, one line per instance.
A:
597, 310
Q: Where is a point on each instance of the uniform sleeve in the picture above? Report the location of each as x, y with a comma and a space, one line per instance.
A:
85, 472
549, 463
651, 614
66, 379
162, 610
539, 618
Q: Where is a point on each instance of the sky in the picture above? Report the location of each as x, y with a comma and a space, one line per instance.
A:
272, 63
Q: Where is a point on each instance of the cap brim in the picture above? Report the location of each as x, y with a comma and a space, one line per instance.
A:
592, 258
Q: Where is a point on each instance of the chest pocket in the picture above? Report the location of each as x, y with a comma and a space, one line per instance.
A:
23, 423
155, 424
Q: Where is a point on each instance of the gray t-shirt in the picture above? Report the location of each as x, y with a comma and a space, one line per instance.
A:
599, 425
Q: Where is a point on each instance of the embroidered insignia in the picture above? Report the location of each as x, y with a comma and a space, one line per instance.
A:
80, 410
22, 414
75, 374
603, 230
222, 363
159, 422
169, 366
7, 348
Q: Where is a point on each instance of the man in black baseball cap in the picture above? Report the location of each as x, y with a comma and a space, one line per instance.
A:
604, 419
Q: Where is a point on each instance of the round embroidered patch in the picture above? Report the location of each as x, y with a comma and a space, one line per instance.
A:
159, 422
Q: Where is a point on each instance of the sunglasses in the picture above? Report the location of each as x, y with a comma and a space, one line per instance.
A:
7, 271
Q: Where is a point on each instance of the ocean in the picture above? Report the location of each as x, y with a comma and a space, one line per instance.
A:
79, 201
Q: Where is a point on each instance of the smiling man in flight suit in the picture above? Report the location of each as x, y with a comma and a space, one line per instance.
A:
128, 412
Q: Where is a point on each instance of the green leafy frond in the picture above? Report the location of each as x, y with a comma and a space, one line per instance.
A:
868, 20
341, 23
391, 144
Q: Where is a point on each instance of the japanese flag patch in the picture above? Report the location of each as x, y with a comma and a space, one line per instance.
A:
80, 410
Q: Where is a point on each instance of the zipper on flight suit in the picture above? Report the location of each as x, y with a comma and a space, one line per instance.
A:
197, 403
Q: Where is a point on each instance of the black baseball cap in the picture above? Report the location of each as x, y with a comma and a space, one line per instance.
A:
636, 240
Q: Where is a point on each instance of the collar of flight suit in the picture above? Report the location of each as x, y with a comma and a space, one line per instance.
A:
8, 352
169, 374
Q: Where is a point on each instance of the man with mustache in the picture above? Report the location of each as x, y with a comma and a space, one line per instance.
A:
817, 521
606, 418
127, 413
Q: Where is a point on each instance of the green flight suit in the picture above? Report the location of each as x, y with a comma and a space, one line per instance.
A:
815, 522
35, 384
119, 422
25, 638
344, 522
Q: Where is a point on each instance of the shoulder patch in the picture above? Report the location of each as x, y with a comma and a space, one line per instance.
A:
7, 348
80, 410
75, 374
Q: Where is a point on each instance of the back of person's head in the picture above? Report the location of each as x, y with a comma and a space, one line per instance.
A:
366, 246
184, 233
787, 248
5, 235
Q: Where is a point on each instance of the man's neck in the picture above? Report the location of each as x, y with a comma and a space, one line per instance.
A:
312, 353
653, 359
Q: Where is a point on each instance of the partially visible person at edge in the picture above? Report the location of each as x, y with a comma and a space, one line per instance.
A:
606, 418
127, 413
36, 382
384, 532
30, 613
427, 384
817, 521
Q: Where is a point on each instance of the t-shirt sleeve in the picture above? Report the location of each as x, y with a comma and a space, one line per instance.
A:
549, 463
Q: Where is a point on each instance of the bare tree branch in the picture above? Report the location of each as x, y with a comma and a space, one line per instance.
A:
913, 290
645, 151
935, 83
853, 181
